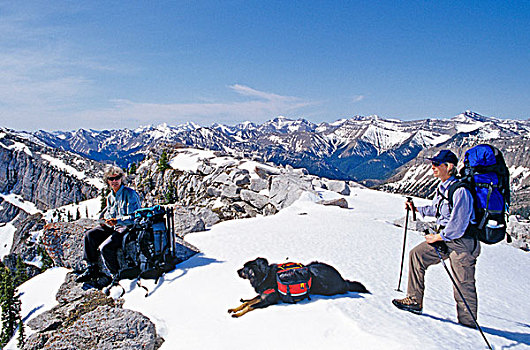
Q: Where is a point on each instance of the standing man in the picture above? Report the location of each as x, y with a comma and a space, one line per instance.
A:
121, 202
453, 237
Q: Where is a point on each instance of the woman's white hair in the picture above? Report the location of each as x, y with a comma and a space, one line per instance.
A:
113, 169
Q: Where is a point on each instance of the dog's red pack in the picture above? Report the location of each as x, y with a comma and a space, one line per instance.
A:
294, 282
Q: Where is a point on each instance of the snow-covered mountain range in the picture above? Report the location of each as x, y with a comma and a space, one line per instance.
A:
358, 148
369, 149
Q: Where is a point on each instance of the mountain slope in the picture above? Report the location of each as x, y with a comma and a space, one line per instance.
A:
189, 306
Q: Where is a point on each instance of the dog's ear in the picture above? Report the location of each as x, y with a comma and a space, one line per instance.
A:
262, 264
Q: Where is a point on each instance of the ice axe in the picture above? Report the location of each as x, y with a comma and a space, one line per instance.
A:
409, 199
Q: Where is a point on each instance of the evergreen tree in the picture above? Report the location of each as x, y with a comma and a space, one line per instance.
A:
47, 262
132, 169
87, 212
170, 195
69, 216
10, 304
20, 272
77, 214
163, 162
21, 340
103, 199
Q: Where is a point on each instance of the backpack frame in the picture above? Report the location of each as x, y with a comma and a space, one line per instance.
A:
149, 245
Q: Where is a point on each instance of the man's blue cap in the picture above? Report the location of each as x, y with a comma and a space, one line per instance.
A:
445, 156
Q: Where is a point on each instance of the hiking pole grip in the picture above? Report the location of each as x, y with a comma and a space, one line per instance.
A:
409, 200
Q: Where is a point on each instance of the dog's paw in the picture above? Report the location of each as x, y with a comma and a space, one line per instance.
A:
235, 315
231, 311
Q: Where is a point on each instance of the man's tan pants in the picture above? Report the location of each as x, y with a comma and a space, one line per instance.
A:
462, 253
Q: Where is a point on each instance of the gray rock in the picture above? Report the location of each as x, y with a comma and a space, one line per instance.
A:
242, 180
186, 221
213, 191
245, 209
258, 184
338, 186
230, 191
317, 183
269, 209
519, 230
38, 181
285, 189
266, 172
205, 169
105, 328
339, 202
221, 178
208, 216
255, 199
64, 242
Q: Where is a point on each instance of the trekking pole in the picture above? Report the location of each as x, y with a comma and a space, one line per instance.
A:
462, 296
409, 199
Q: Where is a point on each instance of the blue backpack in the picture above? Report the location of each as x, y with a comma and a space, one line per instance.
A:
487, 178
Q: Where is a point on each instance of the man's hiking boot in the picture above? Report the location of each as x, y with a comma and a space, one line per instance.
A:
89, 274
408, 304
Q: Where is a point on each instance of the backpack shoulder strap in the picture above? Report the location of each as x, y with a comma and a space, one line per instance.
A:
456, 185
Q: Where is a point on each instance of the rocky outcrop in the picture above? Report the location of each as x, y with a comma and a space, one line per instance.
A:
25, 247
87, 319
25, 171
519, 229
64, 241
228, 189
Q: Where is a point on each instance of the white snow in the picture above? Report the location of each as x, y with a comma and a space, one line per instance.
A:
93, 206
189, 159
189, 305
20, 202
7, 231
58, 163
19, 146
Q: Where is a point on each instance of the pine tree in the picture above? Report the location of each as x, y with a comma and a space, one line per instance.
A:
132, 169
10, 304
163, 162
77, 214
47, 262
69, 216
170, 194
103, 198
87, 212
20, 272
21, 340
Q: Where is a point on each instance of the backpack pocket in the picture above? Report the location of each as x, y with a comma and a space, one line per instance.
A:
494, 231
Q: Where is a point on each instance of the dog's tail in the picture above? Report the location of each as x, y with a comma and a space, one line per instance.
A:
356, 287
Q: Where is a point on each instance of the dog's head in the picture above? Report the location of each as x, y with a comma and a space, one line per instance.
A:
255, 271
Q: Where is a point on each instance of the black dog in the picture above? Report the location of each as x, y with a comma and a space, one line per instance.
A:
326, 280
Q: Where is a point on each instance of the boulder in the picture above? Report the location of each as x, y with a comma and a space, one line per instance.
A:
242, 180
285, 189
338, 186
255, 199
230, 191
339, 202
258, 184
213, 191
186, 221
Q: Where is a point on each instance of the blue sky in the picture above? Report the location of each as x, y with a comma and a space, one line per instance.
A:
108, 64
